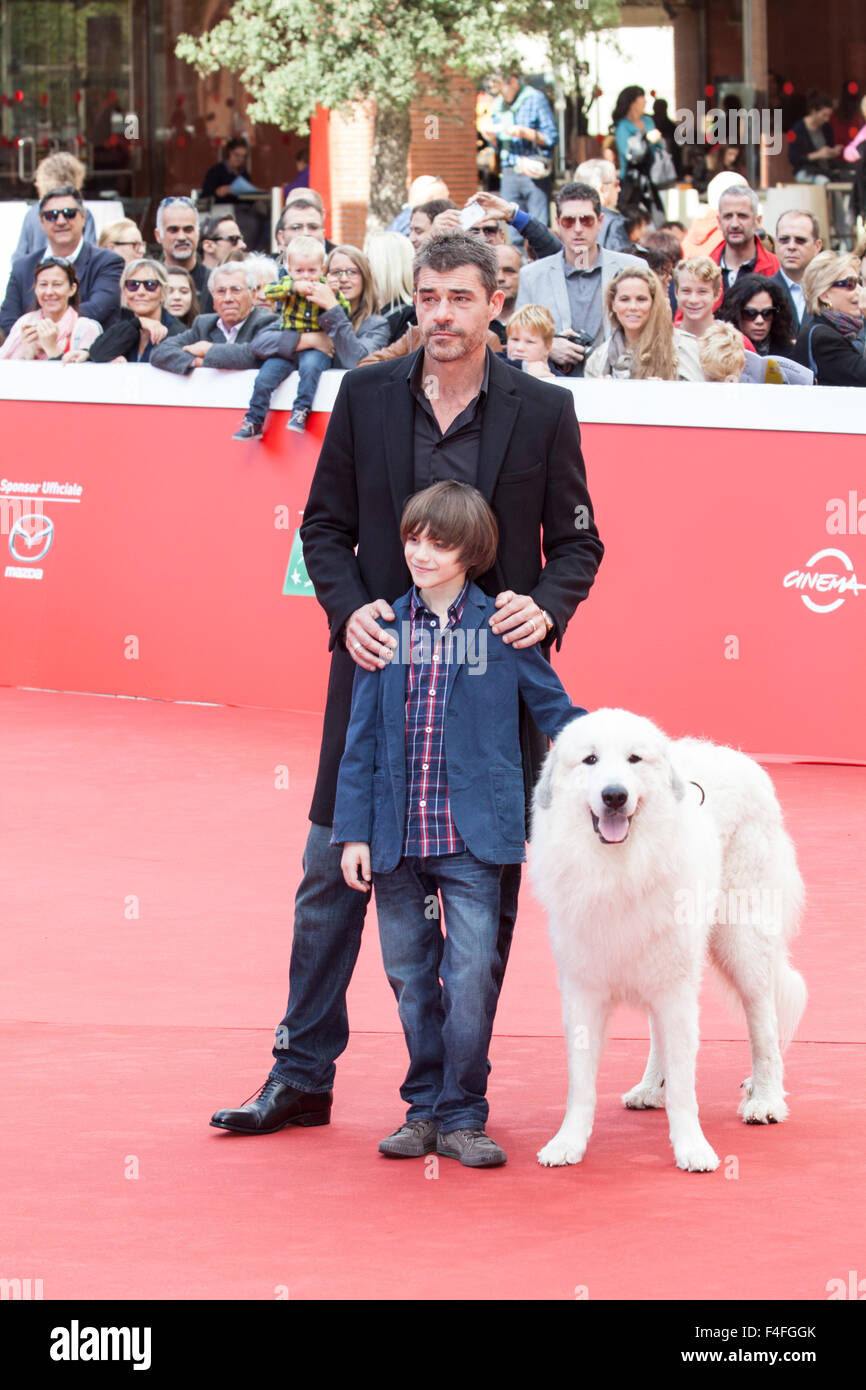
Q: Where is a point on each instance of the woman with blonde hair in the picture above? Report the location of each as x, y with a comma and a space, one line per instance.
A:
123, 238
144, 320
832, 343
390, 256
59, 170
641, 346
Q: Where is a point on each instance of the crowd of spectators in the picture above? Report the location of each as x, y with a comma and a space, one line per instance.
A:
610, 290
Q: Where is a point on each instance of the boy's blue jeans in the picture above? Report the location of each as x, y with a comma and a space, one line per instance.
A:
310, 365
328, 922
447, 1025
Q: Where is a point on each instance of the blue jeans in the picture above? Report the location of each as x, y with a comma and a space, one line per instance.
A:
447, 1024
532, 195
329, 919
310, 365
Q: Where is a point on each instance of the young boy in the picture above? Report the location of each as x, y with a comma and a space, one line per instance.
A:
721, 353
298, 314
530, 338
430, 804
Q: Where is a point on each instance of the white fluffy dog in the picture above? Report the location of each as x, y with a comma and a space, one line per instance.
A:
644, 853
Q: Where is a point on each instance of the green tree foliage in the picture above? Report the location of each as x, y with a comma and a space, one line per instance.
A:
292, 55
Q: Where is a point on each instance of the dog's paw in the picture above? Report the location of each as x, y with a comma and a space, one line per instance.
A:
762, 1110
746, 1085
560, 1151
697, 1157
643, 1097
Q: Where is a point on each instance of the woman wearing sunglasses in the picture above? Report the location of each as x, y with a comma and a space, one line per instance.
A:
833, 340
760, 308
144, 319
56, 329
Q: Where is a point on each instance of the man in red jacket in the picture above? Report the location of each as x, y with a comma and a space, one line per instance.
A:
741, 250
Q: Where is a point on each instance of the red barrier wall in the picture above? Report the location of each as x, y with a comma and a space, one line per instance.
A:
171, 573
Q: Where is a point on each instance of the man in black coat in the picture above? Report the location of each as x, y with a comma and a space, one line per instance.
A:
221, 339
61, 215
450, 410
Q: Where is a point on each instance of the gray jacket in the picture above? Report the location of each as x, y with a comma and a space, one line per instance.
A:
237, 356
543, 282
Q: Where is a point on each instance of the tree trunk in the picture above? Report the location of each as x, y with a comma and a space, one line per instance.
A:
389, 164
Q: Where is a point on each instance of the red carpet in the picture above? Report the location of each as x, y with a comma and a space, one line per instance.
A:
151, 853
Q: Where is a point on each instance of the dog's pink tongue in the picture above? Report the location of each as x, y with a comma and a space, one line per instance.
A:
613, 828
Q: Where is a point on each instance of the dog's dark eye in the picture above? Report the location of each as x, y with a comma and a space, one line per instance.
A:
635, 758
591, 759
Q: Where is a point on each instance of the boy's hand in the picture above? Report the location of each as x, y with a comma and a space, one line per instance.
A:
519, 618
355, 864
322, 294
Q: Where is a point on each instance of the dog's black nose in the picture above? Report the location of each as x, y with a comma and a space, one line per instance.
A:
614, 797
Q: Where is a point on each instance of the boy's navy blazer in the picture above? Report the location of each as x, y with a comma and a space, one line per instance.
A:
482, 741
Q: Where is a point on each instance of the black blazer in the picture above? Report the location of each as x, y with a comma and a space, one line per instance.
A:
530, 469
838, 362
98, 274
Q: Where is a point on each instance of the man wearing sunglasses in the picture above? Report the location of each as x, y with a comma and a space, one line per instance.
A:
572, 284
798, 242
61, 216
220, 236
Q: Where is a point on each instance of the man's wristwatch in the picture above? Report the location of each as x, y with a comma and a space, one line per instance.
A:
511, 213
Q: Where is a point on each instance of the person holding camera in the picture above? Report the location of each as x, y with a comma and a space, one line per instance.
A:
572, 284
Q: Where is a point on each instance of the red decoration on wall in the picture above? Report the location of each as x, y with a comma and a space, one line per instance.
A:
179, 99
112, 97
76, 96
181, 141
852, 131
19, 95
652, 91
787, 88
709, 90
79, 139
853, 88
43, 97
790, 137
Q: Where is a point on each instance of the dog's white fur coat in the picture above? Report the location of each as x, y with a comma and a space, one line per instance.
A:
632, 920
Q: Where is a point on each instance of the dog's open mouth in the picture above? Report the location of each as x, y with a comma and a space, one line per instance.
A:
611, 829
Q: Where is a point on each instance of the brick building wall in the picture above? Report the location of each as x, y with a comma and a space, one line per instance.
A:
443, 143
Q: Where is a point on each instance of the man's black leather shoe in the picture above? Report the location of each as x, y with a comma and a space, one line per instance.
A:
274, 1107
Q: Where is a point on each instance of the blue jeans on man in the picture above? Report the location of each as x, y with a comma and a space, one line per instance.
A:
532, 195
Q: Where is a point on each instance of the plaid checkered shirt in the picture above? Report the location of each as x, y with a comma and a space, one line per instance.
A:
430, 829
297, 311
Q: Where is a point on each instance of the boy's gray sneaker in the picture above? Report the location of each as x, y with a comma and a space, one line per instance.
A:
297, 421
412, 1140
472, 1147
248, 430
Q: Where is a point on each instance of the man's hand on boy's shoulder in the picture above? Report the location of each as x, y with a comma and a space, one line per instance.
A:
367, 644
520, 622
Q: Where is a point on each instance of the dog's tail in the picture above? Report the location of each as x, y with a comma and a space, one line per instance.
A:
791, 995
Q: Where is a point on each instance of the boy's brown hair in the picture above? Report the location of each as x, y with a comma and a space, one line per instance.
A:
537, 319
460, 517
